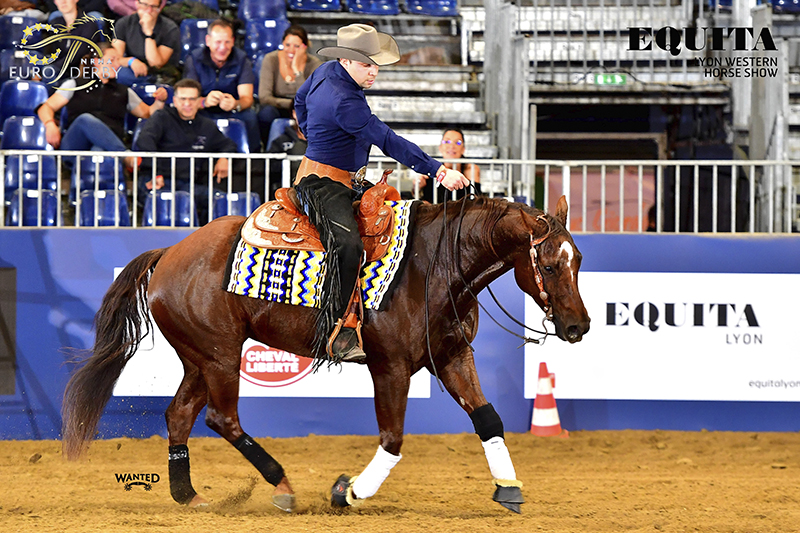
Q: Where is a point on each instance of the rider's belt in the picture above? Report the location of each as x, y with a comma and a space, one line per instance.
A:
308, 166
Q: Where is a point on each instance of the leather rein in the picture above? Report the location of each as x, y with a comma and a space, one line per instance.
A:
538, 278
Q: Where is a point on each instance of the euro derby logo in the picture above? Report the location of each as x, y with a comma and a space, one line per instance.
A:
138, 480
736, 39
41, 66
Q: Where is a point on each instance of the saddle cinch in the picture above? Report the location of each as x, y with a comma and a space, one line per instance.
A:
281, 223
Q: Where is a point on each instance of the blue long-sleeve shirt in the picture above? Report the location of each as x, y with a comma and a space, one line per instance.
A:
333, 114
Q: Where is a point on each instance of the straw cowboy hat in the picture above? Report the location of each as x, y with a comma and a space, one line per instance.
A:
360, 42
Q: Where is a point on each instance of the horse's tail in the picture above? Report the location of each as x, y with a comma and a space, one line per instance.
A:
118, 326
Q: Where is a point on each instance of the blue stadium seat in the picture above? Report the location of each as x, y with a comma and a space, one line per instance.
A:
235, 203
11, 28
112, 209
263, 35
234, 129
27, 214
261, 9
96, 168
136, 130
16, 60
193, 35
211, 4
163, 211
778, 6
26, 167
277, 128
257, 61
145, 92
315, 5
374, 7
434, 8
24, 133
21, 98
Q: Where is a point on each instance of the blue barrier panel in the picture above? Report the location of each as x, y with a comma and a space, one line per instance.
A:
62, 275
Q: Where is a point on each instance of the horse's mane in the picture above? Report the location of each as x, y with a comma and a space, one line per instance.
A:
488, 210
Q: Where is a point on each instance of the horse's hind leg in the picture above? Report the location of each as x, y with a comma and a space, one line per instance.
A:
180, 415
222, 415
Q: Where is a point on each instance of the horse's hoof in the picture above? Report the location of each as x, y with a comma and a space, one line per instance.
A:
509, 497
284, 502
339, 491
198, 501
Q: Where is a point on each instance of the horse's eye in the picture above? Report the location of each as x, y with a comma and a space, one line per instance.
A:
548, 269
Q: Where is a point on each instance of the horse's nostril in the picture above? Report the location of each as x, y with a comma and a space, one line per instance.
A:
573, 332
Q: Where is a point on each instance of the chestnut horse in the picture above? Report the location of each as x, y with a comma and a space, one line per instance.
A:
182, 285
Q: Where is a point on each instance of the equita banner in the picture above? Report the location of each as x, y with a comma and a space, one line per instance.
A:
678, 336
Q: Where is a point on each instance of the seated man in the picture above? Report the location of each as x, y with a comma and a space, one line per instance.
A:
148, 43
96, 114
181, 129
227, 78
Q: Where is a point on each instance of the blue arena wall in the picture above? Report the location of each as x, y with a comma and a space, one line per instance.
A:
62, 274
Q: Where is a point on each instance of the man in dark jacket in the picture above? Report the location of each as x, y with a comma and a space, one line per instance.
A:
227, 78
181, 129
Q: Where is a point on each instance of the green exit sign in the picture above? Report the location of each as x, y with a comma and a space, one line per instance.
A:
610, 79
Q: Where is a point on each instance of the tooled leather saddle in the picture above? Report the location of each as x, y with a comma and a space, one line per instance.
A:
281, 223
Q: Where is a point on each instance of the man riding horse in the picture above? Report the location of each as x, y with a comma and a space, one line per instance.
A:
333, 114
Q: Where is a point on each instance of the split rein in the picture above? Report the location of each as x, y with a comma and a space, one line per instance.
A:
535, 243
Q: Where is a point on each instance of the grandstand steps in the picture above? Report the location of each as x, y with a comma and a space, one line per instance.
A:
427, 79
437, 37
427, 109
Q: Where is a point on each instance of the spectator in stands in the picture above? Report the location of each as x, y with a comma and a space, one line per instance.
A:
451, 147
291, 142
226, 76
67, 13
181, 129
148, 43
282, 73
84, 6
96, 114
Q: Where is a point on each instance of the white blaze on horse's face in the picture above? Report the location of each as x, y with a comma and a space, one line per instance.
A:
566, 249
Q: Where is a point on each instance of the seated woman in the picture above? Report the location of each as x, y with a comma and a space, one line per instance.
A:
451, 147
282, 73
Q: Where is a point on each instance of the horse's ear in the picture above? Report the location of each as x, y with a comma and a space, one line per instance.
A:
561, 211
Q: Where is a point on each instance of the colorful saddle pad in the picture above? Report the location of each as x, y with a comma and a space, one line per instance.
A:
296, 277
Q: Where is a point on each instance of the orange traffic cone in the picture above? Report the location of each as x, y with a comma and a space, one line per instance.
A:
545, 421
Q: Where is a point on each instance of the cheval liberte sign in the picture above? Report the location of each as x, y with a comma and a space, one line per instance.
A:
677, 336
156, 370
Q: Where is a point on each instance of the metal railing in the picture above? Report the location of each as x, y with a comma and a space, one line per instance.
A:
604, 196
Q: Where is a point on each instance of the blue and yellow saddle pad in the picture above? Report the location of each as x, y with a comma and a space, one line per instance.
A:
295, 277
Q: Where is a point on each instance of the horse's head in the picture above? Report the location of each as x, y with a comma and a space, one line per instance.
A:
549, 272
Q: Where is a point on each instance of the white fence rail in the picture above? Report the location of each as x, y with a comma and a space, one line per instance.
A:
604, 196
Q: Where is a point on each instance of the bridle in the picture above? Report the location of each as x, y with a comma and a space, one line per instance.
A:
538, 278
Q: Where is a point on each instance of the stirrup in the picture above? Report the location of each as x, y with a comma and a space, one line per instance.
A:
344, 344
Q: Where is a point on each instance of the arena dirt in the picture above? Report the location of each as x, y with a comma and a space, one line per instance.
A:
593, 481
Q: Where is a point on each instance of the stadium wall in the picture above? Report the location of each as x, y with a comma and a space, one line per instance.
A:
62, 274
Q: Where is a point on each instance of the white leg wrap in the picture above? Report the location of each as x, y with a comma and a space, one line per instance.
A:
371, 479
499, 459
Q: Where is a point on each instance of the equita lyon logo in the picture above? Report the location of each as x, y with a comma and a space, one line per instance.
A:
674, 40
130, 481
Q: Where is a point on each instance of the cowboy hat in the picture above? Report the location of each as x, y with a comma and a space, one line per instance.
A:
360, 42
